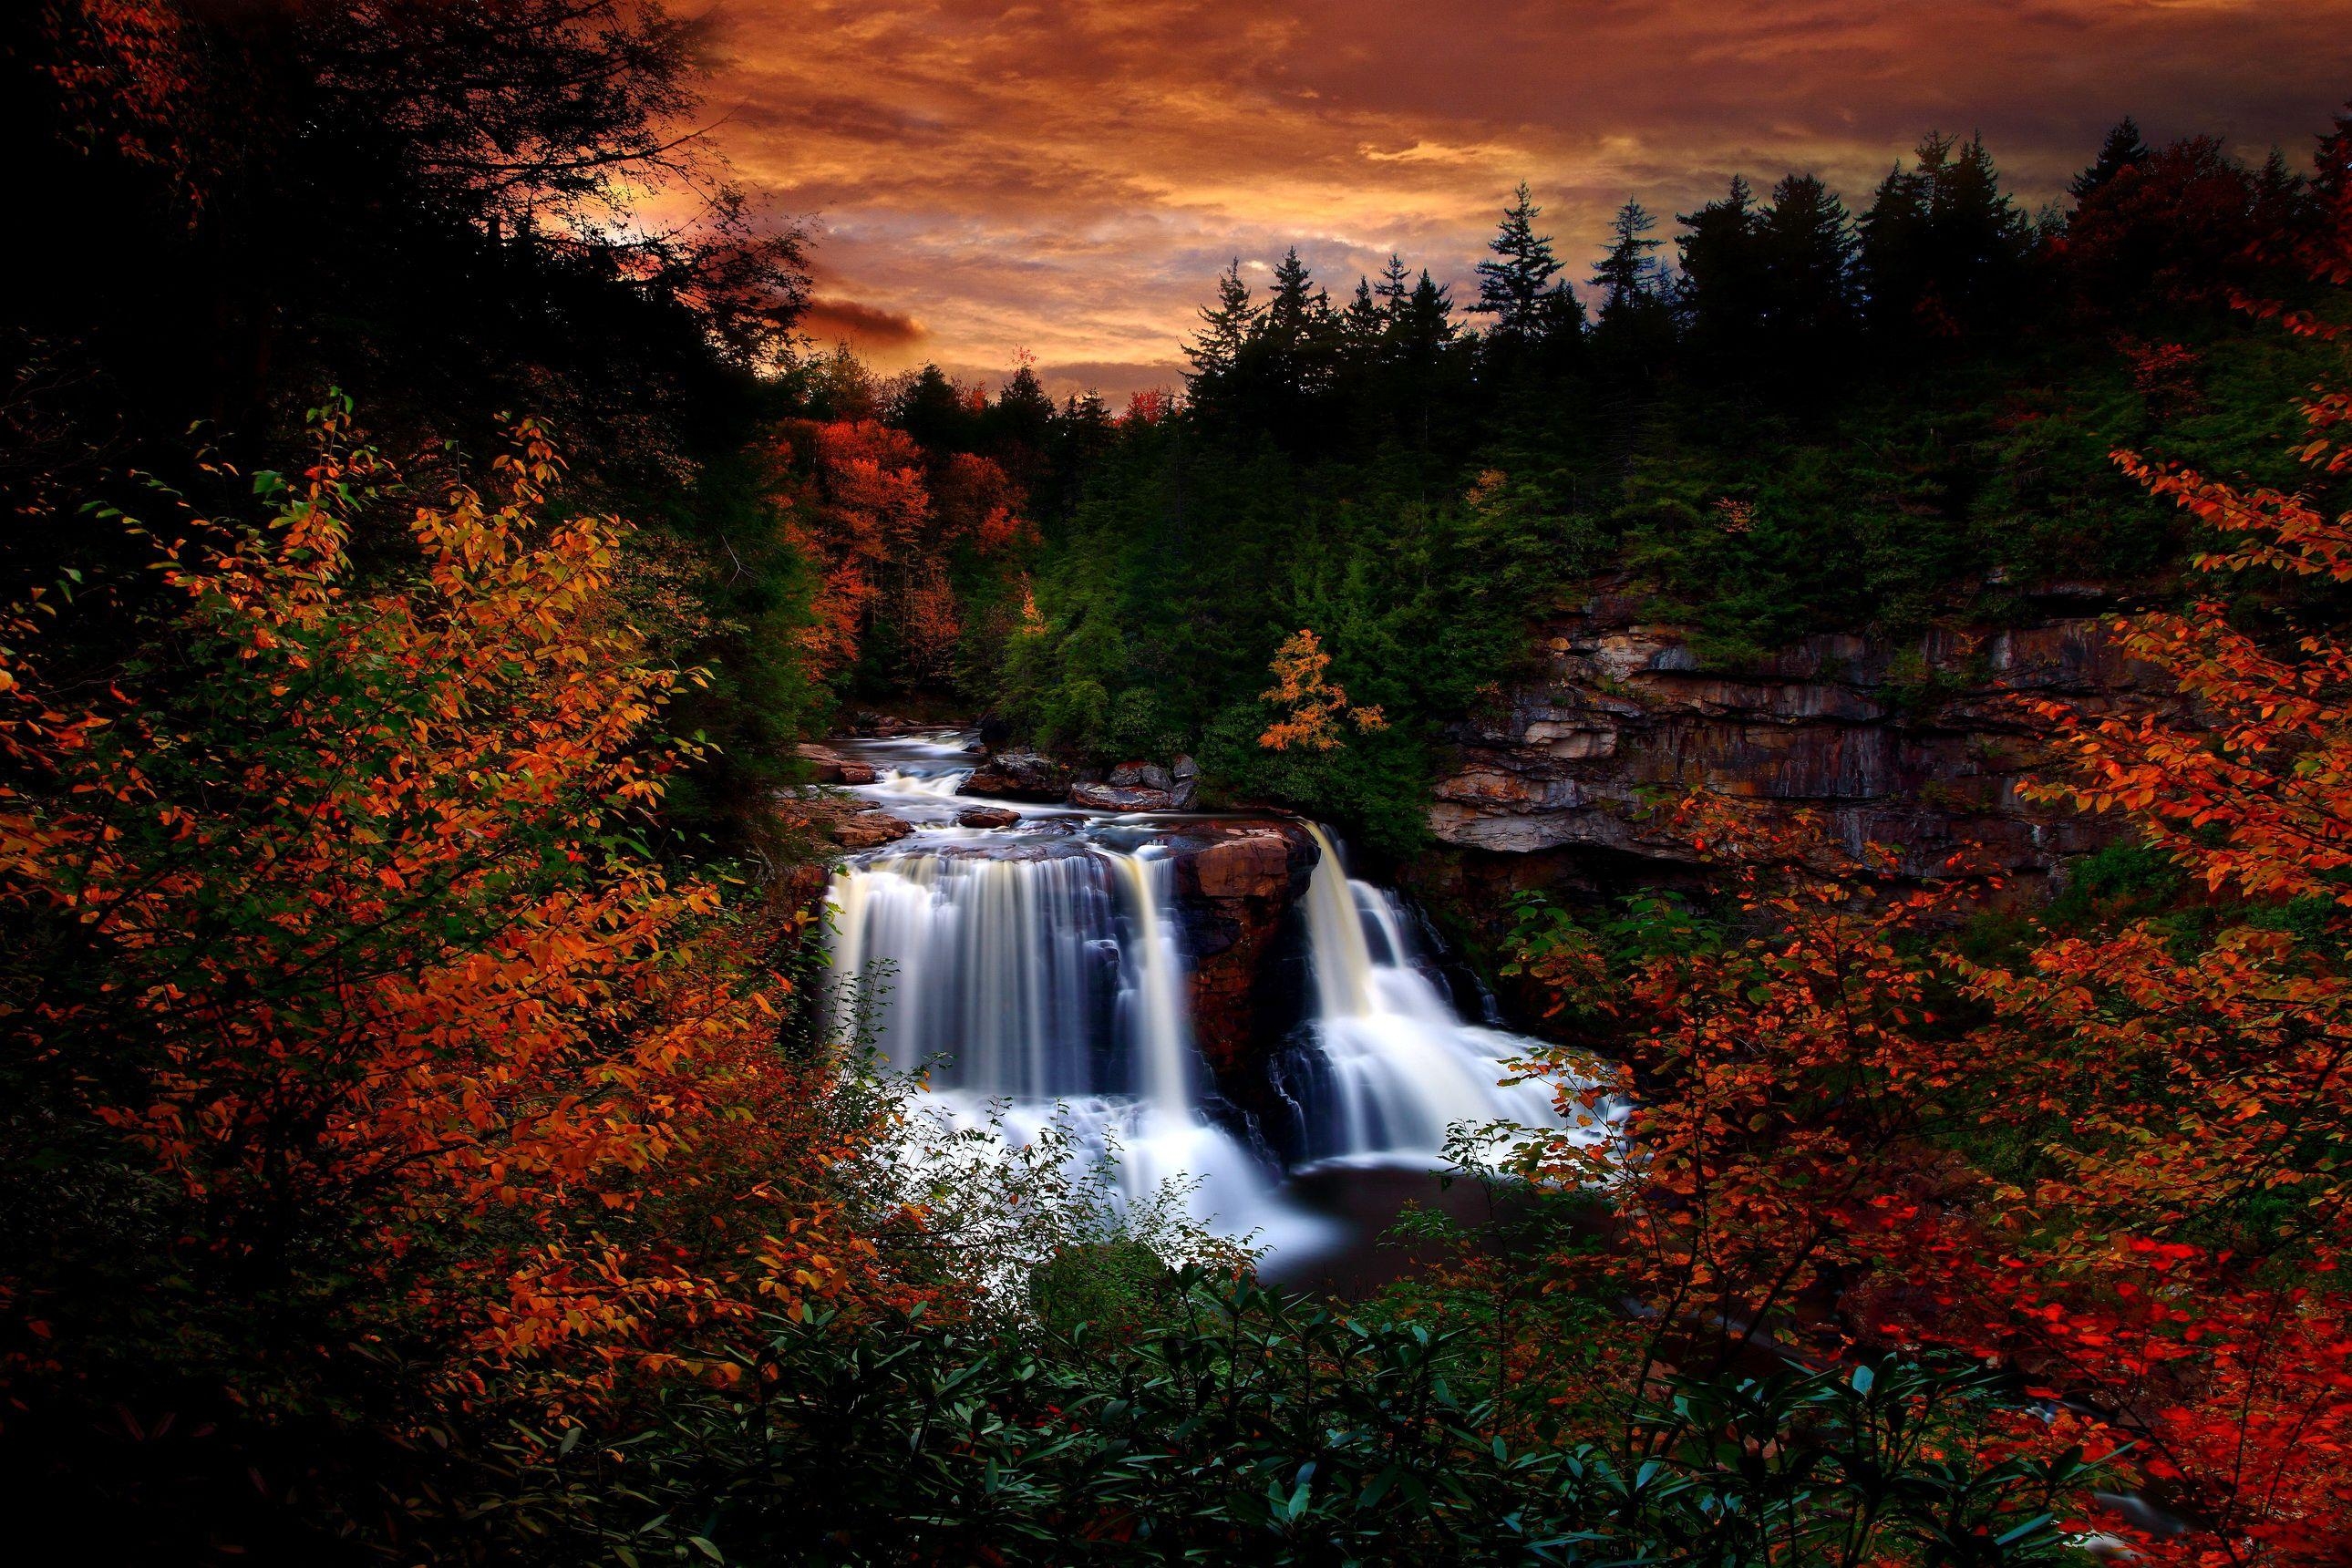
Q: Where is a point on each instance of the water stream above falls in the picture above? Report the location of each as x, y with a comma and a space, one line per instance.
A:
1042, 970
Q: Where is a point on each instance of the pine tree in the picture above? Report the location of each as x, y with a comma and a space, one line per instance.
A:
1514, 286
1629, 277
1019, 423
933, 409
1363, 325
1722, 273
1895, 234
2122, 150
1425, 317
1943, 247
1297, 300
1810, 265
1216, 351
1296, 338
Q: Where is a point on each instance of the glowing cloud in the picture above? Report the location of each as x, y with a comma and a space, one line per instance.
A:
1070, 174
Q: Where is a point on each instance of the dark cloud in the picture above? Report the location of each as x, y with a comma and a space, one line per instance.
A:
1069, 176
866, 326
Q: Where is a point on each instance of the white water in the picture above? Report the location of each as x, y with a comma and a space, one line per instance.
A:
1038, 973
1396, 1066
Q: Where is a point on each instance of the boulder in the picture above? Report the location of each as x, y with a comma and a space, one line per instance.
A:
870, 830
1185, 768
1019, 775
1253, 867
1183, 796
986, 817
1237, 884
1116, 797
833, 768
1145, 775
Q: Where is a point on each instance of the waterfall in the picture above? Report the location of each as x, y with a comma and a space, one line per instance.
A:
1048, 983
1038, 976
1161, 1025
995, 974
1391, 1064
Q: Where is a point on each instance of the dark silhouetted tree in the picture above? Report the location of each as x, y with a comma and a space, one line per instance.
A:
1723, 275
1943, 247
1635, 325
2122, 150
1535, 315
1216, 349
1810, 262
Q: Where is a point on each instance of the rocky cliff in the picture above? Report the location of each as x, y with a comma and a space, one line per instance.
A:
1920, 745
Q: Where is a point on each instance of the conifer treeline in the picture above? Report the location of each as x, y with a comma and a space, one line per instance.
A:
1786, 296
1903, 407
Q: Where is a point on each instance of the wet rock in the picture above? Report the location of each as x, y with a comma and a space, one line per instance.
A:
1146, 775
1251, 866
1019, 775
884, 726
1235, 885
1116, 797
833, 768
986, 817
870, 830
1184, 793
1183, 768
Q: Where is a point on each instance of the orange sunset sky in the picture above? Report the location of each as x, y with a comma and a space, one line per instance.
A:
1069, 177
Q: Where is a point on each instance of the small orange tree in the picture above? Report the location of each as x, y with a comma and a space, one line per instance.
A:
1312, 704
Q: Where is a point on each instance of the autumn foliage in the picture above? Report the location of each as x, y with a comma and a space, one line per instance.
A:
345, 924
2110, 1160
887, 522
1312, 704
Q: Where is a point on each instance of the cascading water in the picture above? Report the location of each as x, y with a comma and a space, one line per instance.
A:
1038, 973
1048, 984
1392, 1066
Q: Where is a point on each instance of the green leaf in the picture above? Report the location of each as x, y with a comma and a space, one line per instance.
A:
2030, 1527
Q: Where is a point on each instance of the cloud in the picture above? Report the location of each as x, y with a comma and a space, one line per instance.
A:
864, 326
1113, 379
1069, 176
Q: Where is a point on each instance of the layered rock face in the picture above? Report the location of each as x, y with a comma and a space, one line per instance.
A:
833, 768
1920, 746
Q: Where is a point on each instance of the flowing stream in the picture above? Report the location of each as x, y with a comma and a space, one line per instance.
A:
1040, 972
